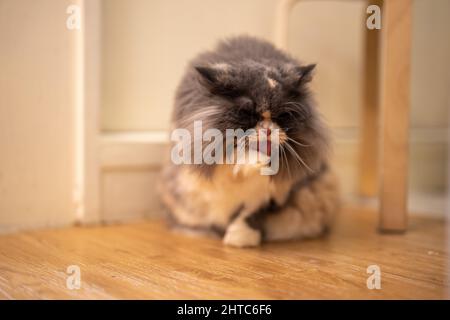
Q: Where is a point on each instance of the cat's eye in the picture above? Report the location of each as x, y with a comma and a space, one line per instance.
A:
246, 117
244, 103
285, 116
297, 116
246, 114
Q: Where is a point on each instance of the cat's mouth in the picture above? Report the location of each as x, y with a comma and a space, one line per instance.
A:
266, 139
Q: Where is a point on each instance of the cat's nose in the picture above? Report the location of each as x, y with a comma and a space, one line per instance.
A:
266, 124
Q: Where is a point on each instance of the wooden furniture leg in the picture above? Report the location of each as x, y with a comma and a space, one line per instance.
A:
368, 149
396, 51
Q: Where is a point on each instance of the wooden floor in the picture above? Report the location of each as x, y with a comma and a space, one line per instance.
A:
145, 260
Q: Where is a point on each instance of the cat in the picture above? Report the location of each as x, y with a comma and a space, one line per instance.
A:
246, 83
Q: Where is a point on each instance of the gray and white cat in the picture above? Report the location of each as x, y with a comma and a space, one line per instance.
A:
248, 83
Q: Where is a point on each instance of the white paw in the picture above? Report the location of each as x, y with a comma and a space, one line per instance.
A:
241, 235
254, 164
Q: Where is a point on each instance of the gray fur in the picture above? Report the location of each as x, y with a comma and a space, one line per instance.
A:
242, 92
232, 87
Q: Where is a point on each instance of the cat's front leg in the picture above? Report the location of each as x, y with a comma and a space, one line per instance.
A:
240, 234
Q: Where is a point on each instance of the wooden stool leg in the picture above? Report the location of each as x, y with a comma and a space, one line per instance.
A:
368, 164
396, 52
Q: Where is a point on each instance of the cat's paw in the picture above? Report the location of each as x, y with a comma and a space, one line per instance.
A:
247, 170
255, 163
241, 235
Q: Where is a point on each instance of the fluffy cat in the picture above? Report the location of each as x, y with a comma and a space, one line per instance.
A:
248, 83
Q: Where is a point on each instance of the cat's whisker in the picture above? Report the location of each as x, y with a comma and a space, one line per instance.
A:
294, 103
298, 143
284, 158
203, 114
297, 108
297, 156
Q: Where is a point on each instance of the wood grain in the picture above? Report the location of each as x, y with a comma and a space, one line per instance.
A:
396, 64
147, 261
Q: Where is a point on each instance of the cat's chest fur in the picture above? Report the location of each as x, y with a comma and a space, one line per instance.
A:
215, 200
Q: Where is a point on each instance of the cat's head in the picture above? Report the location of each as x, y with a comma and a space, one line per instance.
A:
248, 94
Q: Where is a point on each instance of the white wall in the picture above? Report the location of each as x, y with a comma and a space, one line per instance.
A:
37, 63
147, 43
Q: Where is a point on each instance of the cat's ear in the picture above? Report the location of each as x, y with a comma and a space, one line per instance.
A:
304, 73
215, 74
218, 78
209, 74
